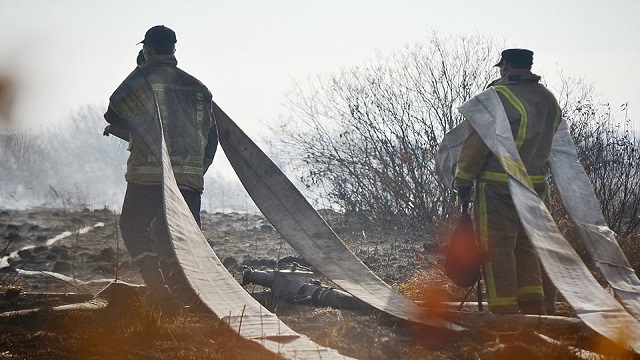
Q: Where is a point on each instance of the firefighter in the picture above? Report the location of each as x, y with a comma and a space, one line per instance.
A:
183, 105
123, 133
511, 268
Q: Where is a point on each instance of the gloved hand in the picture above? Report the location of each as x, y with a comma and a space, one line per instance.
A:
107, 130
464, 193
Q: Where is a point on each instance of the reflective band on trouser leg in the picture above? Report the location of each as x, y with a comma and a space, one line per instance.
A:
530, 290
497, 301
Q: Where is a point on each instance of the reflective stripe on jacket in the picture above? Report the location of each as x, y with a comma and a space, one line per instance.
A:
534, 115
188, 124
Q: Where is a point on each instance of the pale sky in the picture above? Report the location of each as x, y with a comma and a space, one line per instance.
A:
72, 53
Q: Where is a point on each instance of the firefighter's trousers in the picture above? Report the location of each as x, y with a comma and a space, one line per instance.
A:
511, 267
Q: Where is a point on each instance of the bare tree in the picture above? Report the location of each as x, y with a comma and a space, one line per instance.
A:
367, 136
609, 152
19, 152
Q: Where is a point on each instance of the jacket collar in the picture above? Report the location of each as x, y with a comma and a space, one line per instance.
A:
517, 75
162, 60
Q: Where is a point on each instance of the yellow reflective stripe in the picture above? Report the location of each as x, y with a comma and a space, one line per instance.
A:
506, 301
538, 179
199, 108
159, 90
503, 177
524, 119
492, 294
185, 159
161, 101
464, 175
490, 281
199, 170
556, 122
483, 221
144, 169
494, 176
528, 290
188, 170
516, 169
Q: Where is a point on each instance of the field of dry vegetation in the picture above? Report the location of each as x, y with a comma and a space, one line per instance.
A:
129, 329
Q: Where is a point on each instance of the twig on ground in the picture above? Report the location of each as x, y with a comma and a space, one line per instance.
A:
73, 258
115, 216
241, 317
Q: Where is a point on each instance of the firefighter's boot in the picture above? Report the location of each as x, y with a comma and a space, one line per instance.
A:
177, 282
158, 294
532, 307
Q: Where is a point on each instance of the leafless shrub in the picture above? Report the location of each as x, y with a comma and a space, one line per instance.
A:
608, 150
19, 151
366, 138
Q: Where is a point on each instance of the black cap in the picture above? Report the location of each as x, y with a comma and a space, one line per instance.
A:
522, 57
159, 34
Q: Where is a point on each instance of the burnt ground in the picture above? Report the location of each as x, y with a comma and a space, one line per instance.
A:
133, 330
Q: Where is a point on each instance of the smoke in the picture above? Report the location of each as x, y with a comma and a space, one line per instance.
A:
72, 166
66, 166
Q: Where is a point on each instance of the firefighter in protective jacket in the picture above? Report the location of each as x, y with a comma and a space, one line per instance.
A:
512, 270
159, 95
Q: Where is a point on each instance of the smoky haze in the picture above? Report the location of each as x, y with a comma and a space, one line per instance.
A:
73, 166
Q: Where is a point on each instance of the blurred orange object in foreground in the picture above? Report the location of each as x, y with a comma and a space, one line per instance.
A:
7, 97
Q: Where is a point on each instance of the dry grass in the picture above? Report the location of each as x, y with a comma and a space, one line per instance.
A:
136, 331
